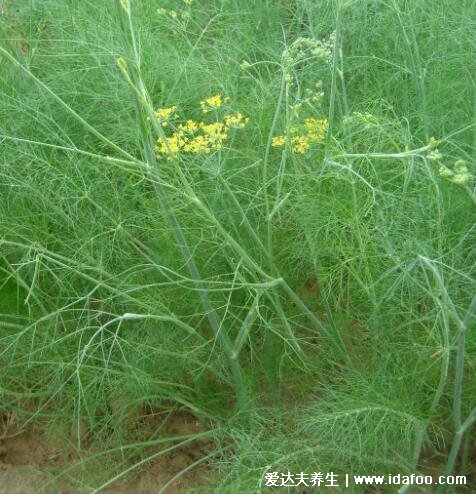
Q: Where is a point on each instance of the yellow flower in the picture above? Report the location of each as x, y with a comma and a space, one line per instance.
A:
237, 120
189, 126
216, 133
300, 144
312, 130
194, 137
212, 103
198, 144
213, 128
278, 141
316, 129
165, 114
170, 146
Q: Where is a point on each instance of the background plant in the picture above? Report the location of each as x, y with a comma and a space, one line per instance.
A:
335, 281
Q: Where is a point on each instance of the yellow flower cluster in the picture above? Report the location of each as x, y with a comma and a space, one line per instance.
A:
316, 128
212, 103
196, 137
278, 141
189, 126
311, 131
164, 115
238, 121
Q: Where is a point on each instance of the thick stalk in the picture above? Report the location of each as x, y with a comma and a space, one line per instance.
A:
187, 254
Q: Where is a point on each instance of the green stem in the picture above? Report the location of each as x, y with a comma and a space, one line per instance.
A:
335, 68
317, 324
455, 447
459, 373
269, 230
145, 109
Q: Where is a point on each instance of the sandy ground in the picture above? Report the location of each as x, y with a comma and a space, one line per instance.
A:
27, 462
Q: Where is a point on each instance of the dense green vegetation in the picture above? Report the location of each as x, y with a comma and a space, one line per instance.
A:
301, 282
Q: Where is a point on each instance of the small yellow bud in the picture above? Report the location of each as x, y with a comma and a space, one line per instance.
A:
434, 155
444, 171
460, 167
245, 65
122, 64
433, 143
461, 178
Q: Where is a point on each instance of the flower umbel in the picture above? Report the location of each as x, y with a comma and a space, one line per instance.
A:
237, 120
194, 137
164, 115
459, 175
278, 141
311, 131
212, 103
190, 126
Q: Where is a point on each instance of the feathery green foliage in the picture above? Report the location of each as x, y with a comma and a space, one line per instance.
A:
303, 288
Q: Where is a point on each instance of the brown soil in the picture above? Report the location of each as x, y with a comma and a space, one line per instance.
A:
24, 461
28, 459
